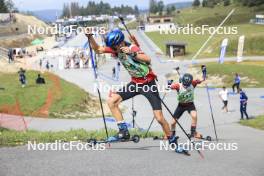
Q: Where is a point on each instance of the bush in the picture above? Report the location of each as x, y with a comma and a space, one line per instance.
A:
196, 3
226, 2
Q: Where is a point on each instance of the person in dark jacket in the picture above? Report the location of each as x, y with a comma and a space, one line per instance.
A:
10, 55
243, 104
204, 71
40, 80
236, 83
22, 77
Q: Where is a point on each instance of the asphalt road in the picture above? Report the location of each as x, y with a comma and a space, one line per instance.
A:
144, 158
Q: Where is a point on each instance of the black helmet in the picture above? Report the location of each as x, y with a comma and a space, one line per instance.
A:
187, 79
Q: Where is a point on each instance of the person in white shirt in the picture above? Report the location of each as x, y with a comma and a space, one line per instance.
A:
223, 94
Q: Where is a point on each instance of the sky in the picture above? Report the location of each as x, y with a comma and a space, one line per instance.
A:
33, 5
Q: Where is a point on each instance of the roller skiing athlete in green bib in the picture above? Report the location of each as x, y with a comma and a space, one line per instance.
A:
185, 91
137, 63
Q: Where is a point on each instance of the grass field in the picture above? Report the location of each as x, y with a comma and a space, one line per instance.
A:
57, 98
254, 34
257, 123
252, 71
14, 138
199, 15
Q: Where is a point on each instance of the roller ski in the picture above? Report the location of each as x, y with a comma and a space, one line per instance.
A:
199, 136
173, 140
114, 139
122, 136
181, 150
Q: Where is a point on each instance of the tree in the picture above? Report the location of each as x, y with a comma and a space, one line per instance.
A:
10, 5
65, 10
205, 3
168, 10
160, 7
93, 8
173, 8
196, 3
74, 9
211, 3
136, 10
153, 6
3, 7
226, 2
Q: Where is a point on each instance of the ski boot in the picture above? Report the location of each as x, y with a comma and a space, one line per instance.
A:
194, 133
123, 134
173, 139
181, 150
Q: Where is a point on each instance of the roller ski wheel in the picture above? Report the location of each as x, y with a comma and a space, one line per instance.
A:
208, 138
135, 138
92, 142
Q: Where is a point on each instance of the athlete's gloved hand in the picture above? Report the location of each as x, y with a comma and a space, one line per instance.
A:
127, 51
88, 32
169, 83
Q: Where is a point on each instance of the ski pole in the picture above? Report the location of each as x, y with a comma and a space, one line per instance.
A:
199, 152
168, 84
211, 110
189, 138
131, 36
98, 91
153, 118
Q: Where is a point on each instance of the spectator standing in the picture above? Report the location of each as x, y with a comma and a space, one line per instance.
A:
22, 77
113, 72
236, 83
40, 63
243, 104
204, 71
10, 55
223, 94
47, 65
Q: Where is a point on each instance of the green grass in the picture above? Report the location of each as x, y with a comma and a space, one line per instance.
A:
257, 123
200, 15
253, 70
72, 99
30, 98
66, 99
254, 34
132, 25
15, 138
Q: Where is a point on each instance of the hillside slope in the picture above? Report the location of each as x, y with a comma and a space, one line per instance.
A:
16, 34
